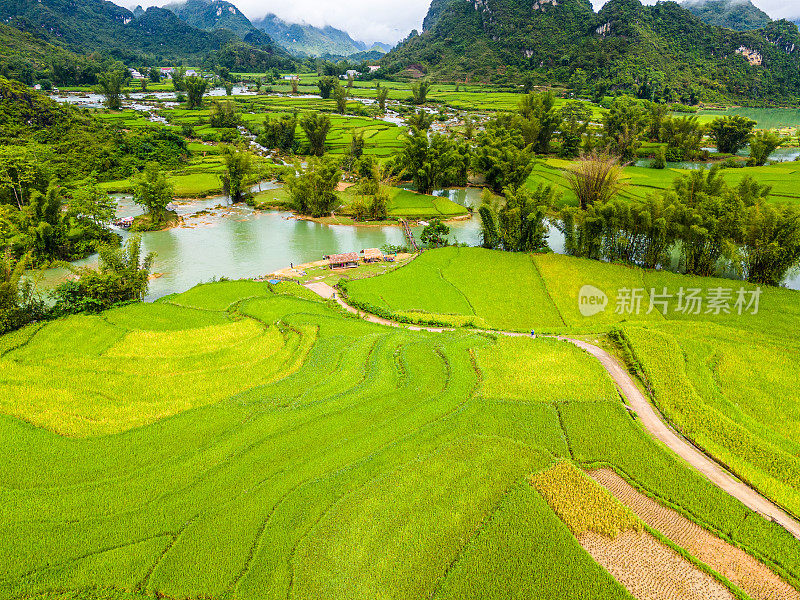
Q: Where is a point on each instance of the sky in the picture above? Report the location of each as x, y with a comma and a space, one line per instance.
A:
389, 20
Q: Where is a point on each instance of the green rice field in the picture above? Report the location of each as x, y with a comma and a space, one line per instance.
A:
725, 380
242, 440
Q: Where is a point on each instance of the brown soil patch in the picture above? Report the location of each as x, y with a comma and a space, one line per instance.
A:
758, 581
651, 571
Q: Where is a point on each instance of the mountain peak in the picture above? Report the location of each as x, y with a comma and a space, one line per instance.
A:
739, 15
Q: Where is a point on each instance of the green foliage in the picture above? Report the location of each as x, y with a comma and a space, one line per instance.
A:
313, 190
419, 91
224, 114
279, 133
683, 136
518, 225
196, 88
433, 162
575, 118
340, 95
110, 86
122, 277
623, 126
154, 192
327, 85
434, 234
382, 95
502, 156
539, 120
420, 119
762, 144
238, 167
316, 127
731, 134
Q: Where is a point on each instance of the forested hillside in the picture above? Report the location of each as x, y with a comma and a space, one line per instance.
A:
739, 15
656, 52
155, 35
307, 40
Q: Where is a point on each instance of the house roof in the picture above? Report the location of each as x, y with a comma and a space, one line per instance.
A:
372, 253
343, 258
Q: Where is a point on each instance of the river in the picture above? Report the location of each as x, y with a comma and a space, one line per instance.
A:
234, 241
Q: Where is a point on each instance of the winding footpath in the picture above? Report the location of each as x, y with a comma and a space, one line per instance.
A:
651, 420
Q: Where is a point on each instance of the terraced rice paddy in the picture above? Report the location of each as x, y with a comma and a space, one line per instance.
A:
724, 380
368, 461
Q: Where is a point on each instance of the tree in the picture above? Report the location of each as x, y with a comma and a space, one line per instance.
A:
110, 86
20, 174
419, 92
316, 127
154, 192
382, 94
313, 190
518, 223
575, 118
433, 162
762, 144
657, 113
595, 179
538, 120
770, 244
122, 277
92, 203
19, 303
731, 134
623, 126
196, 87
326, 86
238, 165
502, 156
155, 75
357, 145
683, 136
224, 115
340, 95
279, 133
577, 82
434, 235
420, 120
708, 220
178, 79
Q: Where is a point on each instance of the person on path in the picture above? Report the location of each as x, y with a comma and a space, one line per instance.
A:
533, 333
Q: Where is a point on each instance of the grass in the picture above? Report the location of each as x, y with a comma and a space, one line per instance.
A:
725, 381
247, 441
468, 281
543, 370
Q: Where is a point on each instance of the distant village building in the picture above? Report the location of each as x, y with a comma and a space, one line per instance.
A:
351, 73
373, 68
167, 72
135, 74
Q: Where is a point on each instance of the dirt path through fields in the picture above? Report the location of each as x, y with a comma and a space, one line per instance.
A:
648, 416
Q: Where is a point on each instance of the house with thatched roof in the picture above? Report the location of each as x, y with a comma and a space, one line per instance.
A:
342, 261
372, 255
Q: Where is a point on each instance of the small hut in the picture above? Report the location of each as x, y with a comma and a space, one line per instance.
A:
343, 261
372, 255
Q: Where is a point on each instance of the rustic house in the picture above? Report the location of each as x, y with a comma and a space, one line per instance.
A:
343, 261
372, 255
